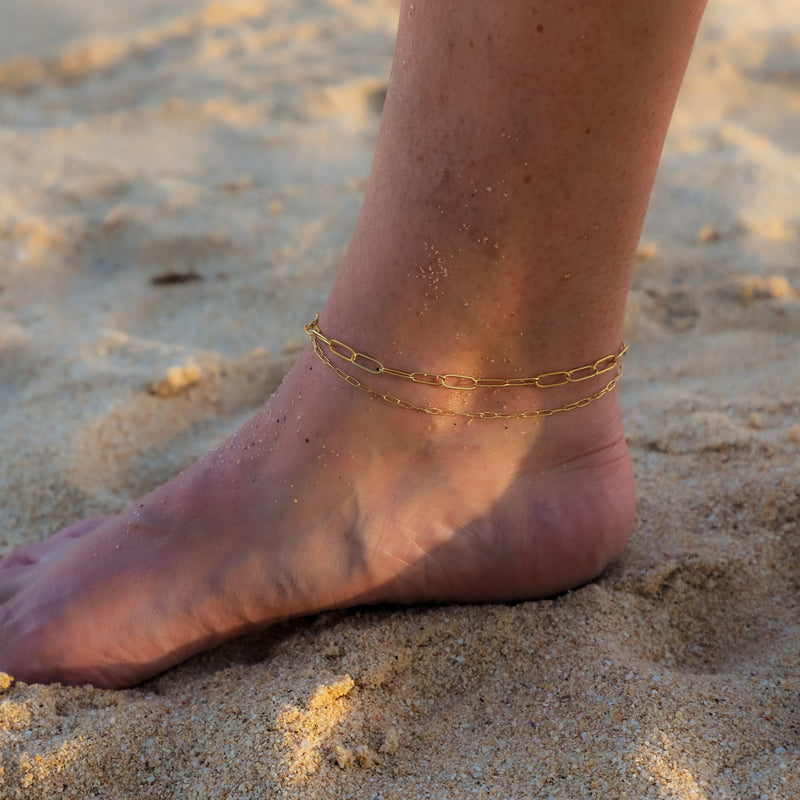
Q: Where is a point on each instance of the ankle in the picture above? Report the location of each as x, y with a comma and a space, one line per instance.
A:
476, 394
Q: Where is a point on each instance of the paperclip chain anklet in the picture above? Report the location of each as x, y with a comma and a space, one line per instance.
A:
547, 380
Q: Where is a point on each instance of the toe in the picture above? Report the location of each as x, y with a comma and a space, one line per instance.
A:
30, 554
15, 577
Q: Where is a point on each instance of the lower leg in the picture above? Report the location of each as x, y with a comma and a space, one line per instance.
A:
511, 179
328, 497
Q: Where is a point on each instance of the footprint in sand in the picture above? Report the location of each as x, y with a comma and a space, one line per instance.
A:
727, 613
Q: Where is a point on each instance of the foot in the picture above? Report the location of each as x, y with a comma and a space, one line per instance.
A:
326, 498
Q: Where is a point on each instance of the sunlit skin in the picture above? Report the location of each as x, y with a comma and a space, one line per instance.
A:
512, 173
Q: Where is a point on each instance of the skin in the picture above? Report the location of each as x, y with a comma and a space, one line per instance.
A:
512, 173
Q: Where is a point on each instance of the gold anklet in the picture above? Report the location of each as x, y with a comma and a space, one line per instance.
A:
547, 380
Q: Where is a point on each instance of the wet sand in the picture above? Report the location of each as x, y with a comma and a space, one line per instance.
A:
177, 184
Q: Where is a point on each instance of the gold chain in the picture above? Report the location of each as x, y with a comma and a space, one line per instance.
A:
546, 380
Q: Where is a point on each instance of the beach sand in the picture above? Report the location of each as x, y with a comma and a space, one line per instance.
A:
177, 184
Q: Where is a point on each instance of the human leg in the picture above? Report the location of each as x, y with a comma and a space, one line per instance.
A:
509, 185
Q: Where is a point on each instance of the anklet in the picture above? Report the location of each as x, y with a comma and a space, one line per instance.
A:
547, 380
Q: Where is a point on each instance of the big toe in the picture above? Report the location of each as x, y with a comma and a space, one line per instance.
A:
54, 546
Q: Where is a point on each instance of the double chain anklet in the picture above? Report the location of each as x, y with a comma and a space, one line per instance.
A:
547, 380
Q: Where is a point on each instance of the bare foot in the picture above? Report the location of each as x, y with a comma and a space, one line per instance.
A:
326, 498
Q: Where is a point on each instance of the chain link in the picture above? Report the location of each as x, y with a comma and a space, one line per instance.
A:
464, 382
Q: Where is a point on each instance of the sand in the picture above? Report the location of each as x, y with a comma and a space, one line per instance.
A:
177, 184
